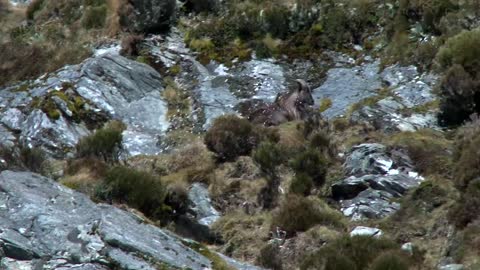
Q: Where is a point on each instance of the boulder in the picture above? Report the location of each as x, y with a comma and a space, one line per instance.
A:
47, 226
151, 16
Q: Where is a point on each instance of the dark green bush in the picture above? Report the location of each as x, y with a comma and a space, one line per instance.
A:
301, 184
94, 16
360, 251
230, 137
137, 189
311, 163
268, 156
459, 96
298, 214
105, 143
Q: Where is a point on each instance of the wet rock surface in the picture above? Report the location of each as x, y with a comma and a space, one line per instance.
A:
376, 177
48, 226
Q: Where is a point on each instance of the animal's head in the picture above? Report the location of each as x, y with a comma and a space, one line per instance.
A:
304, 93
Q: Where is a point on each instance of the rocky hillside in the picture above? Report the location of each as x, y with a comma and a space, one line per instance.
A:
136, 134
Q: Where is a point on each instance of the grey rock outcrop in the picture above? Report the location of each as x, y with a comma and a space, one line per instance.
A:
403, 88
110, 86
376, 176
345, 86
47, 226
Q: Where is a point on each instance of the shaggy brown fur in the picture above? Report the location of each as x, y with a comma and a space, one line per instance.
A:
287, 107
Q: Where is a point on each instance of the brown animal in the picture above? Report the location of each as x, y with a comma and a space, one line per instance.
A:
289, 106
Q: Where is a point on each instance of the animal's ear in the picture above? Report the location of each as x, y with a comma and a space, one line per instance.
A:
302, 85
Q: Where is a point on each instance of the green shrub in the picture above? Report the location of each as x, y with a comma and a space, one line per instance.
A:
467, 209
298, 214
230, 137
33, 159
459, 96
462, 49
105, 143
268, 156
269, 257
301, 184
94, 16
311, 163
390, 261
137, 189
359, 250
466, 154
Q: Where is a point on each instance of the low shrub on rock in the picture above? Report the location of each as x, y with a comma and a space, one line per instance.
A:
137, 189
105, 143
230, 137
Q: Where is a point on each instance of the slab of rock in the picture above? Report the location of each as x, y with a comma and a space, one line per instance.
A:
372, 158
204, 211
376, 176
346, 86
44, 224
366, 231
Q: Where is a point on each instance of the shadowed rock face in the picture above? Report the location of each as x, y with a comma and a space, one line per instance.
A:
376, 177
151, 16
47, 226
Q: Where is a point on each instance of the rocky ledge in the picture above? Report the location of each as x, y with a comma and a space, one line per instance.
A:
48, 226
